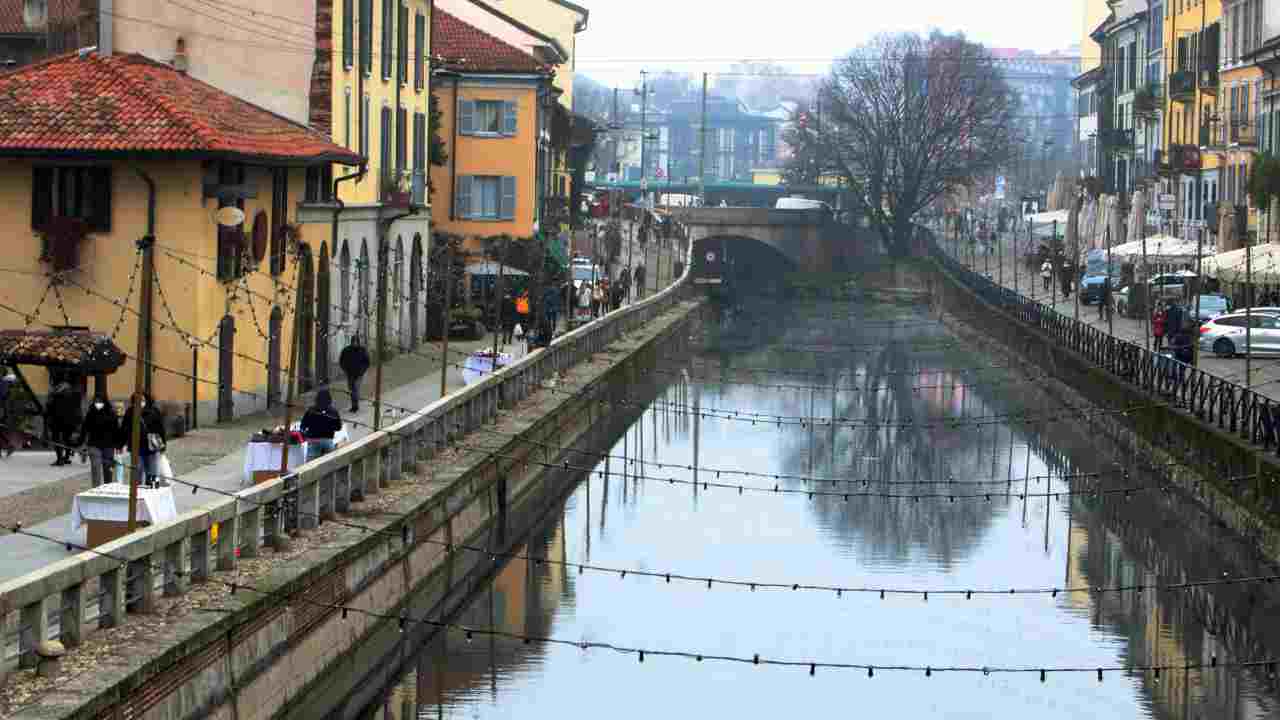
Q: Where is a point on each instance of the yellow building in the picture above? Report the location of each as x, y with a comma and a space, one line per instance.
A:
1192, 42
372, 96
497, 101
1093, 13
1236, 134
156, 153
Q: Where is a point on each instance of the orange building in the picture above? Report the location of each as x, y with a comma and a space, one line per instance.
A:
497, 101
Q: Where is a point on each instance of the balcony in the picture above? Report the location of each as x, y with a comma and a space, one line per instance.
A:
1182, 86
1242, 132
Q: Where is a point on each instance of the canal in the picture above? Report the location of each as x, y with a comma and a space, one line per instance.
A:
948, 469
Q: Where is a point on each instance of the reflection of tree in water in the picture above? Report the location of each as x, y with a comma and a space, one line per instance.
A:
892, 376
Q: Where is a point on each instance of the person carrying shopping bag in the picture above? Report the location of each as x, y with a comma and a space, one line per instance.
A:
154, 441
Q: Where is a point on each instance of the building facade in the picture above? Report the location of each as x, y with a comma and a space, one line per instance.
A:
162, 158
1191, 40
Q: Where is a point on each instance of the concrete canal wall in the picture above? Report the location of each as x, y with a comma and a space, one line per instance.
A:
1234, 480
280, 646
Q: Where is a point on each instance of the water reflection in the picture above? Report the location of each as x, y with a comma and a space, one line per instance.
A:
621, 520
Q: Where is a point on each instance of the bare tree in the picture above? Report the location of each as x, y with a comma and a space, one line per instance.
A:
904, 119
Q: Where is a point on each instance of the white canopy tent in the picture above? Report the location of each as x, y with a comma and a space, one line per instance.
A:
1160, 249
1232, 266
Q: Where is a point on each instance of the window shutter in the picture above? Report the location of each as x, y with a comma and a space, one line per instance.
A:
41, 197
402, 42
420, 49
388, 38
462, 197
348, 30
366, 36
100, 186
466, 117
507, 206
509, 110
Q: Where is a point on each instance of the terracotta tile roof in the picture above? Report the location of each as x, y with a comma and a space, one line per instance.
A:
11, 15
469, 49
87, 351
127, 103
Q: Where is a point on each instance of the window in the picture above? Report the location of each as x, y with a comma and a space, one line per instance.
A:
487, 117
485, 197
364, 128
279, 217
83, 193
419, 51
384, 147
232, 261
1133, 65
420, 142
1155, 29
388, 38
348, 33
346, 109
366, 36
319, 184
402, 137
402, 43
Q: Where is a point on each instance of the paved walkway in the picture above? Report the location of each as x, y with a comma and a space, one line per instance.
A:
1265, 371
211, 456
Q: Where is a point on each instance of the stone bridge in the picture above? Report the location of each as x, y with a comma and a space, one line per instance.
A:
765, 238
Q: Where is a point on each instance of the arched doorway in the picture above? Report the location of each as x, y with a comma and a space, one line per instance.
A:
323, 316
226, 376
415, 288
397, 293
274, 329
362, 288
305, 316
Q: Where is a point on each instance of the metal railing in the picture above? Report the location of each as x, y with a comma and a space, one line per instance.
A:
1224, 404
97, 589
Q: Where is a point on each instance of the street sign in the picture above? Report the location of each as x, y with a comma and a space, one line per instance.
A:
1167, 201
1000, 187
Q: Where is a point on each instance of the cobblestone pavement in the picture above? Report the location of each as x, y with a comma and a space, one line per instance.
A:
1265, 371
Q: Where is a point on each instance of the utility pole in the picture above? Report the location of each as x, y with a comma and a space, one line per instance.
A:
294, 335
447, 279
380, 346
613, 127
644, 129
141, 360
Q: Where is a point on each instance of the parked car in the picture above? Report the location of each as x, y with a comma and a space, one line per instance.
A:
1168, 286
1091, 289
1211, 306
1228, 335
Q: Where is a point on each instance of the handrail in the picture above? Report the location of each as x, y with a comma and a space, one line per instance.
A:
184, 548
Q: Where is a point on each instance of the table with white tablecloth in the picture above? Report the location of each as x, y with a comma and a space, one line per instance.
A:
104, 510
262, 460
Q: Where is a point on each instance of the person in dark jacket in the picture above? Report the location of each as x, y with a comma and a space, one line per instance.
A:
509, 318
354, 361
63, 418
99, 433
153, 438
319, 424
551, 303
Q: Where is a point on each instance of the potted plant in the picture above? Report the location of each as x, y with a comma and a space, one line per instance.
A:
395, 191
61, 238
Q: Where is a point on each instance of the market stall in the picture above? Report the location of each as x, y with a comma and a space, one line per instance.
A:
263, 455
1162, 253
104, 510
481, 363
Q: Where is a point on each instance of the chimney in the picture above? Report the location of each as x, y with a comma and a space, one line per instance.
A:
35, 14
180, 60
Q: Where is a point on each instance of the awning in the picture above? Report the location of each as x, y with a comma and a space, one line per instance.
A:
491, 268
1047, 218
1159, 249
1233, 266
87, 352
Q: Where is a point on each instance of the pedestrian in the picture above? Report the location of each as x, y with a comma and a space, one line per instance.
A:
1046, 274
509, 318
550, 308
584, 296
615, 296
153, 440
354, 361
319, 424
1104, 304
62, 416
1157, 326
597, 298
99, 433
11, 421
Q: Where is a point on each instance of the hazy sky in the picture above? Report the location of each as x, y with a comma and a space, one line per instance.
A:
625, 36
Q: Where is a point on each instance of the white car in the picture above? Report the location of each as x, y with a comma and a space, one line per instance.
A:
1234, 333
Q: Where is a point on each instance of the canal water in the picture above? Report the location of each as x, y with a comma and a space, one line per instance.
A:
989, 486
